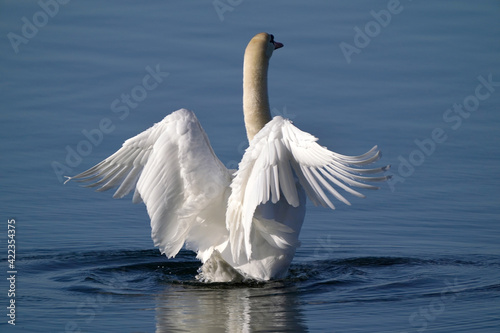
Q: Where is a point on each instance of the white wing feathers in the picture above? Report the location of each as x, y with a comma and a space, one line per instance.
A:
175, 172
123, 167
278, 153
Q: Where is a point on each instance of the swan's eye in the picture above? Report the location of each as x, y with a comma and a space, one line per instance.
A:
272, 39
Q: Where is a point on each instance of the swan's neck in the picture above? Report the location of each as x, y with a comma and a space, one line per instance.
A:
255, 99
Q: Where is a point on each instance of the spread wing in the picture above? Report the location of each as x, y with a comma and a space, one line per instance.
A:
174, 170
277, 154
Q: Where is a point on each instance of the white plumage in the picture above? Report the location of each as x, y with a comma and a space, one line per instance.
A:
242, 224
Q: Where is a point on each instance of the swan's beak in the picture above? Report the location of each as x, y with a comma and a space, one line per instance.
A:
277, 45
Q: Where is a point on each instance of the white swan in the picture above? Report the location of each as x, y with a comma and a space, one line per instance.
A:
245, 223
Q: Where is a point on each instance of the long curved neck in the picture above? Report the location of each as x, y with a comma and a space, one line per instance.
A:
255, 99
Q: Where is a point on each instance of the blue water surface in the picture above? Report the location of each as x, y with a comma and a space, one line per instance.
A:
420, 79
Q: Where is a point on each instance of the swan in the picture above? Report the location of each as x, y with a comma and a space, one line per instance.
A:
245, 223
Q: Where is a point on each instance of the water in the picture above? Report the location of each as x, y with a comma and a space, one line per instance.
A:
421, 254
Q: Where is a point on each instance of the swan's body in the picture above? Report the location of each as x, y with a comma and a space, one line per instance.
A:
242, 224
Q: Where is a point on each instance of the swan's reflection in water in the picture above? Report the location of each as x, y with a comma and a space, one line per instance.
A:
223, 308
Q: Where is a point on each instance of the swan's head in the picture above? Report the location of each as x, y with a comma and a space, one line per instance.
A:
263, 44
